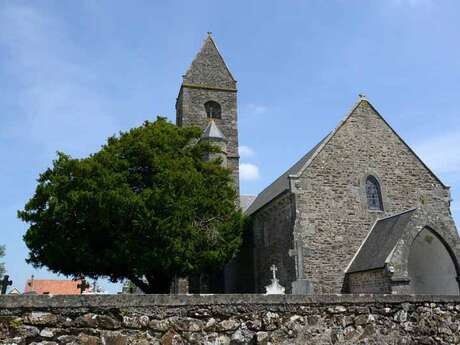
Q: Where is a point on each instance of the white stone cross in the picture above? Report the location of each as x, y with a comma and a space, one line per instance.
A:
274, 288
274, 269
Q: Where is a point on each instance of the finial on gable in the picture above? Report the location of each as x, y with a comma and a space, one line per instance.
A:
209, 33
362, 97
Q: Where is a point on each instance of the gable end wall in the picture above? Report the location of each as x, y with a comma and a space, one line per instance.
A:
332, 214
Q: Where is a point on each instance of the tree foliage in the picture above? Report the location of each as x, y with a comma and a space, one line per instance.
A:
145, 205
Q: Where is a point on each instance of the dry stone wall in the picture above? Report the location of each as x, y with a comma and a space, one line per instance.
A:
229, 319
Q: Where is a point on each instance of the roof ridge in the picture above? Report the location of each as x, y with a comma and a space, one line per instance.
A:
312, 154
386, 227
285, 174
220, 54
361, 246
372, 229
408, 146
397, 214
361, 99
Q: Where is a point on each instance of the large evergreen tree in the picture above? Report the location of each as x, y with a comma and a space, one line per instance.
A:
145, 206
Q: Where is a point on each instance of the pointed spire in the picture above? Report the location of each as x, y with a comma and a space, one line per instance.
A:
213, 132
209, 69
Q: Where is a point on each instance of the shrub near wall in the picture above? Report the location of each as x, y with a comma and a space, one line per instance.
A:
229, 319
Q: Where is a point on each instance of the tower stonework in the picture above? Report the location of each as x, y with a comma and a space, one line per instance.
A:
208, 93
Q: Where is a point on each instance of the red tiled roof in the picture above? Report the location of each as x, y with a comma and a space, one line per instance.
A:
53, 287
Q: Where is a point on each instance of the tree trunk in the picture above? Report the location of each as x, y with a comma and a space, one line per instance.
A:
139, 283
158, 283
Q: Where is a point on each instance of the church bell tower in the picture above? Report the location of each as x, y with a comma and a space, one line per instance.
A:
207, 95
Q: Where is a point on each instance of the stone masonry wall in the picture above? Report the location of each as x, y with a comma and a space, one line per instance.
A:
332, 214
229, 320
191, 112
273, 238
209, 79
375, 281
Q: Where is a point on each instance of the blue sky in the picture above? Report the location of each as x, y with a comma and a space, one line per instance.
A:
74, 73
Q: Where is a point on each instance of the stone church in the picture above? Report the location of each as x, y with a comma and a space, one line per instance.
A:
358, 213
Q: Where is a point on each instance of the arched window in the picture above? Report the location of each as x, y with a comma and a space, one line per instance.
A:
374, 195
213, 110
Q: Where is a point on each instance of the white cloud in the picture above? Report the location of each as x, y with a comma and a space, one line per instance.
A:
249, 172
255, 109
246, 151
441, 153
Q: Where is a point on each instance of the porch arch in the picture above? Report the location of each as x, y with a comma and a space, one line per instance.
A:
432, 265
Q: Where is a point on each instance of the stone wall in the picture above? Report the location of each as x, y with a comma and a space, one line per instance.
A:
190, 111
273, 239
373, 281
332, 214
209, 79
229, 319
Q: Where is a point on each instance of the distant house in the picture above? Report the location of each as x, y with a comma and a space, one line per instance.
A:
53, 287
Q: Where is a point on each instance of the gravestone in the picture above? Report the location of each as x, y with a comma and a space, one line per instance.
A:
5, 283
83, 285
300, 286
275, 287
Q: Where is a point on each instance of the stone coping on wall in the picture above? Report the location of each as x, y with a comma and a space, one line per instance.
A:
123, 301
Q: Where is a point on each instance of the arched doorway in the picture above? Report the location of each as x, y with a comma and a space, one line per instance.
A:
431, 266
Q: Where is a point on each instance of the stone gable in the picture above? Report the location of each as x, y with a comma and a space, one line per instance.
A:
332, 214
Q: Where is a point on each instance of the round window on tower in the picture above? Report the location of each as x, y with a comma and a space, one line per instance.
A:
213, 110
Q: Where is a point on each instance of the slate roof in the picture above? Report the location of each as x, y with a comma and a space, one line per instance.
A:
282, 183
52, 287
212, 131
380, 242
